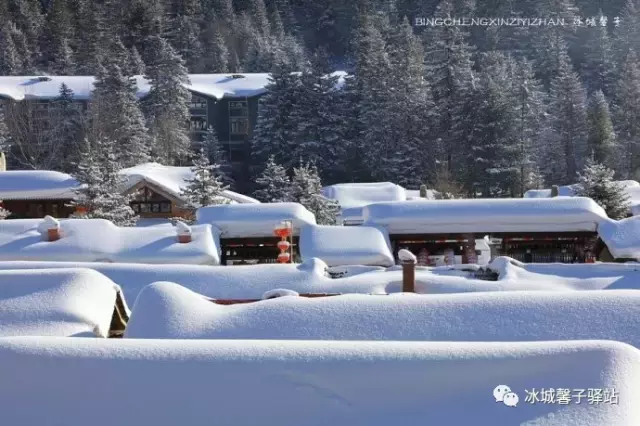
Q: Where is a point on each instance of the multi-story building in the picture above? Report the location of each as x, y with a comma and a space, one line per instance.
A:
227, 102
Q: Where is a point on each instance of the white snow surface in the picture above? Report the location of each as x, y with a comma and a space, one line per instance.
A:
313, 383
254, 220
569, 214
98, 240
346, 245
37, 184
56, 302
353, 197
171, 179
622, 237
252, 281
169, 311
211, 85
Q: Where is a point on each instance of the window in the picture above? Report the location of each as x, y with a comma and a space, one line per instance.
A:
197, 102
239, 126
198, 124
238, 109
165, 207
144, 208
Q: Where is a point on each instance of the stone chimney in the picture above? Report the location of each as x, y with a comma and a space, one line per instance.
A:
423, 191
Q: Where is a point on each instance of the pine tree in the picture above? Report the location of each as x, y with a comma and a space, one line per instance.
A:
259, 17
10, 59
601, 141
627, 117
493, 157
5, 136
88, 39
98, 172
598, 67
273, 184
274, 133
205, 187
627, 34
115, 114
67, 129
530, 109
54, 39
137, 66
168, 103
217, 155
306, 189
215, 57
569, 125
63, 62
596, 182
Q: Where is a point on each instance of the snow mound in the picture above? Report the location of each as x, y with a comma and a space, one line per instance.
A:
353, 197
171, 180
254, 220
622, 237
569, 214
242, 383
182, 228
169, 311
37, 184
91, 240
313, 276
406, 256
279, 292
346, 245
56, 302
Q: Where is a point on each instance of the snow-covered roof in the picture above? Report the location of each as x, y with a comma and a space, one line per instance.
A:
631, 187
170, 179
212, 85
254, 220
56, 302
346, 245
350, 195
98, 240
622, 237
559, 214
242, 383
169, 311
37, 184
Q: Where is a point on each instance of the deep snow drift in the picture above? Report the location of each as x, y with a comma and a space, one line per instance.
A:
241, 383
622, 237
251, 282
57, 302
169, 311
99, 240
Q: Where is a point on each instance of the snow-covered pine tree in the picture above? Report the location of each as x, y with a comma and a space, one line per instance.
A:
4, 213
306, 189
168, 102
67, 129
602, 138
596, 182
5, 136
10, 59
275, 129
54, 39
205, 187
598, 66
88, 38
627, 34
448, 61
217, 155
529, 99
259, 17
116, 114
63, 62
98, 173
627, 117
215, 57
273, 184
492, 157
316, 138
568, 111
137, 66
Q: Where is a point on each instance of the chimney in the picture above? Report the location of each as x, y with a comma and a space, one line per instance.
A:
184, 232
408, 261
555, 191
3, 162
51, 227
423, 191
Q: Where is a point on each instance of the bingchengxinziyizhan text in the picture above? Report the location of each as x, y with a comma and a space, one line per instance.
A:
599, 21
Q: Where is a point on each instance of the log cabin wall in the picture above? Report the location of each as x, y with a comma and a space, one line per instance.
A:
36, 209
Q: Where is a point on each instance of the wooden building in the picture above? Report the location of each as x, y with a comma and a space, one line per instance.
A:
30, 194
247, 230
530, 230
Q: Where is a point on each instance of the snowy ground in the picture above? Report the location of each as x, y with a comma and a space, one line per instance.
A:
251, 282
242, 383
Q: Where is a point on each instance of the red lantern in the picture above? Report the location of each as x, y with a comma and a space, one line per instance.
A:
282, 232
283, 257
284, 245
